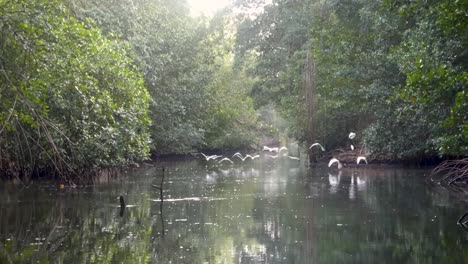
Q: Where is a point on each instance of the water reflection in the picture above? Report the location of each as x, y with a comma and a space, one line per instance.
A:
266, 211
334, 181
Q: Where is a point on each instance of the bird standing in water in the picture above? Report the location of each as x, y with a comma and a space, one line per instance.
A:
335, 160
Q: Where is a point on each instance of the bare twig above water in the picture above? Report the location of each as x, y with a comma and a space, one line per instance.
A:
452, 171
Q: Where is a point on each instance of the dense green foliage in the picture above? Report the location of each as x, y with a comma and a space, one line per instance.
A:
426, 113
70, 98
183, 62
395, 71
86, 83
166, 44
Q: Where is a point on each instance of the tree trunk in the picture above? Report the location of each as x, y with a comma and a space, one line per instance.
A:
310, 94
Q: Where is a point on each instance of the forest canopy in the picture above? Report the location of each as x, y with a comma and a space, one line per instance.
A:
395, 71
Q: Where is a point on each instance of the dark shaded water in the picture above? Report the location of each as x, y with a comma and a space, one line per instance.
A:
267, 211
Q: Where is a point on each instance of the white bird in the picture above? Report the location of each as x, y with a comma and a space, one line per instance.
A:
317, 144
334, 160
361, 158
213, 157
352, 135
265, 148
294, 158
283, 148
210, 157
352, 147
226, 159
240, 157
249, 156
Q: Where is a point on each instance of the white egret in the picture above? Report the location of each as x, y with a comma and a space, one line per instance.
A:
226, 159
352, 147
210, 157
361, 158
317, 144
265, 148
213, 157
240, 157
247, 156
335, 160
352, 135
252, 157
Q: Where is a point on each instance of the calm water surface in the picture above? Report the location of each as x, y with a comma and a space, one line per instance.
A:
266, 211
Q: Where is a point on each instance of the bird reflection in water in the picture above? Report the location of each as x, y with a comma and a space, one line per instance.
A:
356, 181
334, 181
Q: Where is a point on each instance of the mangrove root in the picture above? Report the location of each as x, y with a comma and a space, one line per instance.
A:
452, 171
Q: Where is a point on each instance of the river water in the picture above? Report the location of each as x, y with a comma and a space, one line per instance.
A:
262, 211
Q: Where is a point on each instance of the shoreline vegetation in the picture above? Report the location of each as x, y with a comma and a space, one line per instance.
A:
86, 86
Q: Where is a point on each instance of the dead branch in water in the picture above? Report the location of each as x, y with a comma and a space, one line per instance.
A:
452, 171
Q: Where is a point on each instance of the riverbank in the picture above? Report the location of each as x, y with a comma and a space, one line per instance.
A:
86, 176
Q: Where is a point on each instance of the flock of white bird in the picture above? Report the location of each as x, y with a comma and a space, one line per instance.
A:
351, 136
249, 156
278, 151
